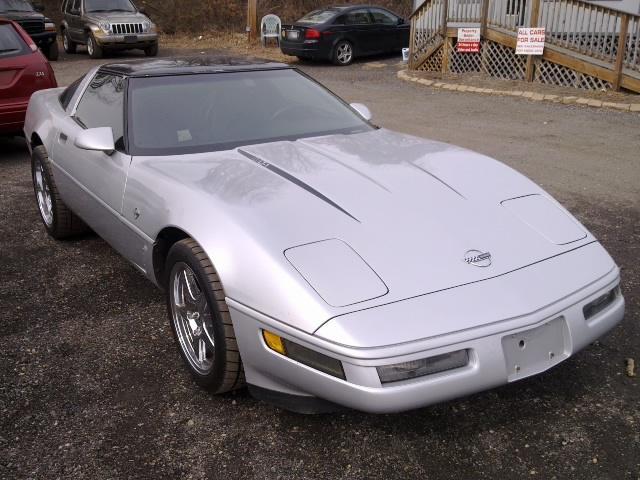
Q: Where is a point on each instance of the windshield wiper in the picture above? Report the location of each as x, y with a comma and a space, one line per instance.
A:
119, 10
5, 50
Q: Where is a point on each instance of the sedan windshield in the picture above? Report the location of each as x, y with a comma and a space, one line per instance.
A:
15, 6
219, 111
318, 16
109, 6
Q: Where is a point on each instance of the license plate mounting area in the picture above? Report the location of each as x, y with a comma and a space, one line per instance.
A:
535, 350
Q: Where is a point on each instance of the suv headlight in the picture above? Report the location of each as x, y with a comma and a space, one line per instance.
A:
49, 26
104, 26
146, 25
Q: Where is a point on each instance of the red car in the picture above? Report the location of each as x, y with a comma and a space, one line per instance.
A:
23, 70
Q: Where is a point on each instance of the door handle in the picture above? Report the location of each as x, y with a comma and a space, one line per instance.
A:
63, 137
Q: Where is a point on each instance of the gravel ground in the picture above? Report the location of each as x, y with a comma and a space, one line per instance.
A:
92, 386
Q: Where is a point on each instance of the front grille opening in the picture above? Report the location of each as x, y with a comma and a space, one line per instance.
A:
599, 304
425, 366
126, 28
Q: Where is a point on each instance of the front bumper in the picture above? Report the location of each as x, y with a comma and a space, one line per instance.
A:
124, 42
43, 40
492, 362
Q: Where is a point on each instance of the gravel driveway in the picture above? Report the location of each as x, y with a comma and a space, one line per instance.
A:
92, 386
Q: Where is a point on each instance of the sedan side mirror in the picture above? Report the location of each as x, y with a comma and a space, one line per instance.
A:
401, 21
99, 139
362, 110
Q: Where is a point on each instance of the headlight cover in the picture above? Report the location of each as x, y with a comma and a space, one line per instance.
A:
425, 366
104, 26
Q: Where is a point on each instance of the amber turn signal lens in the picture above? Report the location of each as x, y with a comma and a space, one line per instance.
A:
274, 342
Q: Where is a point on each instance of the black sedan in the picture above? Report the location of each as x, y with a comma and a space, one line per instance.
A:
340, 34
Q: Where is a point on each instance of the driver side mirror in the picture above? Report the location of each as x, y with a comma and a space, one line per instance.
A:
142, 10
38, 7
362, 110
401, 21
99, 139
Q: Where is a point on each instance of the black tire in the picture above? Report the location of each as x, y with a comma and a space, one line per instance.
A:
151, 51
226, 373
338, 57
68, 45
93, 48
52, 53
63, 223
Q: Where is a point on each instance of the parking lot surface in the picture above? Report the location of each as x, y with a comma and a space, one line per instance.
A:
92, 386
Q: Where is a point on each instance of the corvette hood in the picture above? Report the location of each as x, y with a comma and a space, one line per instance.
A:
420, 212
422, 216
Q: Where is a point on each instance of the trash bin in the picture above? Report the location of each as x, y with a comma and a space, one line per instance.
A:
405, 54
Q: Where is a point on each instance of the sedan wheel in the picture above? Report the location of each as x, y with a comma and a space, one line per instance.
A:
43, 193
343, 53
200, 318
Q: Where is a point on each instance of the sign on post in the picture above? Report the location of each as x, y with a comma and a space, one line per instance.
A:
530, 41
468, 40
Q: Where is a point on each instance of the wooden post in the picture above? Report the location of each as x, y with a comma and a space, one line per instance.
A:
252, 20
533, 23
445, 17
484, 17
622, 49
446, 46
412, 43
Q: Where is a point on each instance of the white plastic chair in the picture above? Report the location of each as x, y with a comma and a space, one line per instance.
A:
270, 28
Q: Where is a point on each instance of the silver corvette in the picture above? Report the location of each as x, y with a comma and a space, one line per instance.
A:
304, 251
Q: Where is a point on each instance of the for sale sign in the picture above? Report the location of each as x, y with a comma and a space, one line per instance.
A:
530, 41
468, 40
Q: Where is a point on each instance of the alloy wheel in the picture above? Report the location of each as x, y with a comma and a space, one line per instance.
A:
344, 53
192, 320
43, 194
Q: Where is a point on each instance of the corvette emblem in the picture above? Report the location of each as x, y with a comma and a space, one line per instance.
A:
477, 258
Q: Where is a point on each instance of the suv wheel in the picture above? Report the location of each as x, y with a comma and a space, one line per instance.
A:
68, 44
151, 51
94, 50
52, 51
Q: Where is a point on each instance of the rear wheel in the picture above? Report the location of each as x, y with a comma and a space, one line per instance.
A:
200, 319
52, 51
68, 44
343, 53
94, 50
57, 218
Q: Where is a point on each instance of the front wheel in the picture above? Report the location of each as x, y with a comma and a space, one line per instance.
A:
151, 51
200, 319
52, 51
68, 44
343, 53
94, 50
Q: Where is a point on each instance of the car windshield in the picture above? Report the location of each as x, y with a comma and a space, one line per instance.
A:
15, 6
11, 44
318, 16
108, 6
179, 114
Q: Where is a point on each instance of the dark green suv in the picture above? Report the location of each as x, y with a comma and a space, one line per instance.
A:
41, 29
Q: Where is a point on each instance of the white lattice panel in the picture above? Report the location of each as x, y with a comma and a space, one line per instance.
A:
554, 74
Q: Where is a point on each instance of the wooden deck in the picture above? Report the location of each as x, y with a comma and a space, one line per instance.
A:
586, 46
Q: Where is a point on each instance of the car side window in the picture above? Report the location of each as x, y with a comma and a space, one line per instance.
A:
69, 92
380, 17
357, 17
102, 104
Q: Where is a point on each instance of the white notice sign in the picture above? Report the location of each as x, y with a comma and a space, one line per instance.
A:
530, 41
468, 40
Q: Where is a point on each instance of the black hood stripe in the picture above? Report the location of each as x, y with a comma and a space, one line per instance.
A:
295, 181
